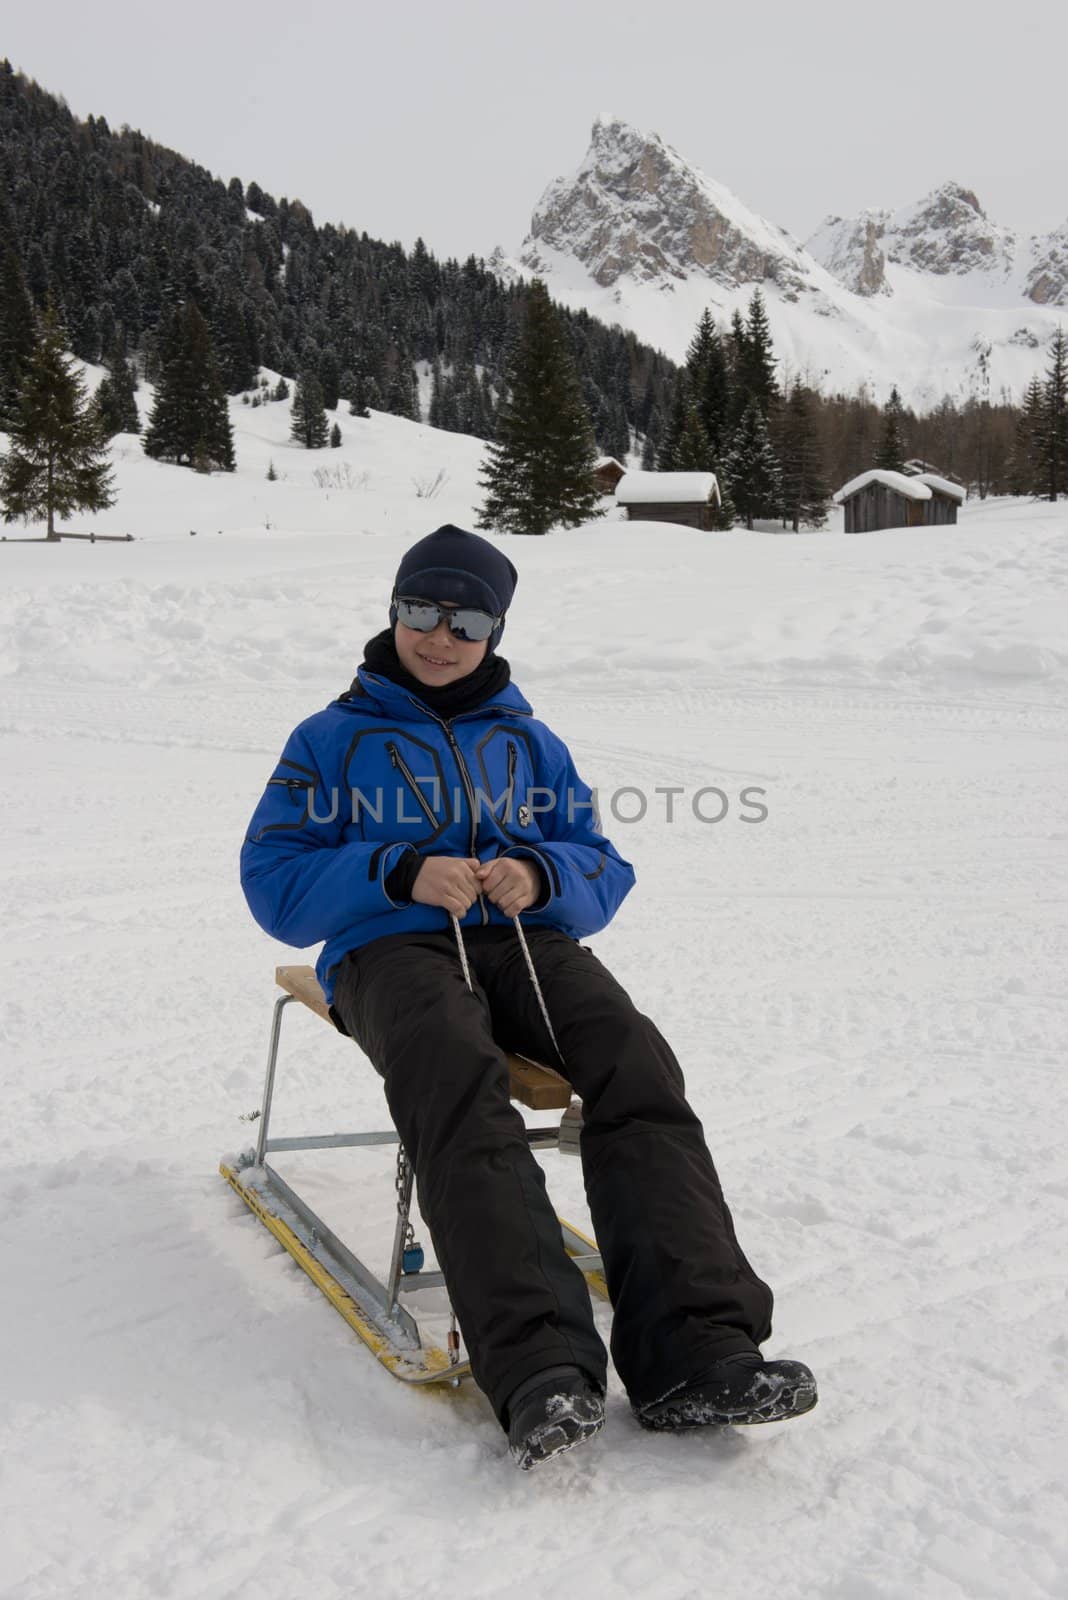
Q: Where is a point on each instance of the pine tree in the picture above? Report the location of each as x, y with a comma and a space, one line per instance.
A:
754, 375
436, 387
335, 436
726, 513
232, 346
114, 402
684, 445
280, 390
805, 493
539, 468
737, 358
1054, 436
310, 427
683, 422
361, 392
706, 366
752, 468
329, 379
18, 334
1025, 469
57, 462
692, 453
402, 395
615, 436
190, 421
890, 455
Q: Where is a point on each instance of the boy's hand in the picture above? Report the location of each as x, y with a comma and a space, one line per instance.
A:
511, 883
448, 881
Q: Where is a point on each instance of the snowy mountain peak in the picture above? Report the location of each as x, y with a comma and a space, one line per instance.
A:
635, 209
1047, 278
851, 250
607, 120
946, 233
949, 232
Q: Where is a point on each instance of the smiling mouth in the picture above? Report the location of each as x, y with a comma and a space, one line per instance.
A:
436, 661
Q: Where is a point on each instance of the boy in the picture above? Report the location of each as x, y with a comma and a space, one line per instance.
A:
407, 825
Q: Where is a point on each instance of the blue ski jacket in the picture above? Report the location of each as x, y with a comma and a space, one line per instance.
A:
377, 773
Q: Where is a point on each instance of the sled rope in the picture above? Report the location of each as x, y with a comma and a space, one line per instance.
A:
530, 968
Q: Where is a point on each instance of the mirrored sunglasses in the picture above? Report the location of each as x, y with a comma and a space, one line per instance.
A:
465, 622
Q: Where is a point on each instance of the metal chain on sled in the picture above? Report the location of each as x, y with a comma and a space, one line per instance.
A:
401, 1184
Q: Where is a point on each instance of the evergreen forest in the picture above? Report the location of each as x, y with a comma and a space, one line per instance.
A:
159, 270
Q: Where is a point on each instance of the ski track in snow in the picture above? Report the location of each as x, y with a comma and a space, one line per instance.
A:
867, 992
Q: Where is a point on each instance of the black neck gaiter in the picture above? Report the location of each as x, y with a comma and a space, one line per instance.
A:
448, 699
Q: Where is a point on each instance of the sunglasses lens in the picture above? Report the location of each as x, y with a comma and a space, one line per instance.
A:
418, 614
472, 625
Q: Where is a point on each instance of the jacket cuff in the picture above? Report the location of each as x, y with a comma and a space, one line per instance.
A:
527, 852
398, 880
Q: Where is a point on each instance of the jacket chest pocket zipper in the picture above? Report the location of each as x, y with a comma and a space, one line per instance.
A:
296, 787
509, 810
399, 763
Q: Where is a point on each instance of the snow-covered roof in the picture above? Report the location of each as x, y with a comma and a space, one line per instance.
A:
667, 488
943, 485
911, 488
607, 461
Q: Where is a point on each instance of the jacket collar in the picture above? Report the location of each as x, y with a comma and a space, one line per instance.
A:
389, 699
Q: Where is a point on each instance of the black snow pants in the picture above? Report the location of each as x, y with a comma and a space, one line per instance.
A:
682, 1292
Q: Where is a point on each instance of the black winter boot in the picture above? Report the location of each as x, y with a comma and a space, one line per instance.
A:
551, 1412
736, 1392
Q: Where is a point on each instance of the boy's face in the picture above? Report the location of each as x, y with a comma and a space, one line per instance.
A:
438, 657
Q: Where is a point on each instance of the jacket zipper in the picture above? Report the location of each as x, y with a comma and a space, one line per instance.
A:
468, 789
398, 761
306, 785
510, 808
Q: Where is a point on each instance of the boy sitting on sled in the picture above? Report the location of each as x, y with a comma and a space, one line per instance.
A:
407, 825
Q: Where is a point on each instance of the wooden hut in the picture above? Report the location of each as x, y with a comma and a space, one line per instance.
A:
883, 499
946, 496
689, 498
916, 465
607, 473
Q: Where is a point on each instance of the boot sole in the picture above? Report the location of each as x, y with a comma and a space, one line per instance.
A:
793, 1400
555, 1439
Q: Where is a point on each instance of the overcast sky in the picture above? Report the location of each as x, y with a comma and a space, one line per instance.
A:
450, 119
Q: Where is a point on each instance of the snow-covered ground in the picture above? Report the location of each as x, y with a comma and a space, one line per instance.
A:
866, 990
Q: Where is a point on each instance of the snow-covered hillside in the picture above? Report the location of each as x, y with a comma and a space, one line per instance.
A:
866, 992
639, 236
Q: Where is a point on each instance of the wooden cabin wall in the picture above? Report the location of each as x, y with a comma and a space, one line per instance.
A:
687, 516
877, 506
941, 510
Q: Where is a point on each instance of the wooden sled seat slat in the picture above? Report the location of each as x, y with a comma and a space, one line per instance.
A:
531, 1083
303, 985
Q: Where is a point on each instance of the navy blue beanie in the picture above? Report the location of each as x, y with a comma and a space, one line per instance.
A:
460, 567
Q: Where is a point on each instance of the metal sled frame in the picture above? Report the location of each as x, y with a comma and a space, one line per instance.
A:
372, 1308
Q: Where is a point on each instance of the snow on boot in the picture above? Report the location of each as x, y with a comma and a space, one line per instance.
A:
736, 1392
551, 1412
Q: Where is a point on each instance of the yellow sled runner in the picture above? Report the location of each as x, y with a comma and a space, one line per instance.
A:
372, 1308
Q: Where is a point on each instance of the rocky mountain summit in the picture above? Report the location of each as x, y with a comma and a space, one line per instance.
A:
636, 209
947, 232
1047, 280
